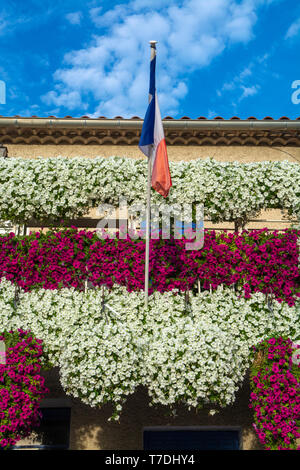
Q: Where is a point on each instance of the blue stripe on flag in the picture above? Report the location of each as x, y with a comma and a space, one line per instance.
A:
152, 76
147, 135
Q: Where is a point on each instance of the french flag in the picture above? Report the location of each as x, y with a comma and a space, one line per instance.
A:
152, 142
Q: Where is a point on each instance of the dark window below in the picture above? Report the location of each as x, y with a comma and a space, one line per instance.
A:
185, 439
54, 430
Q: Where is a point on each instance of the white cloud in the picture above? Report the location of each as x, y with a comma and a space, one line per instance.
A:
109, 17
114, 68
95, 13
249, 91
241, 85
11, 19
74, 18
211, 114
293, 30
238, 81
69, 100
262, 59
240, 25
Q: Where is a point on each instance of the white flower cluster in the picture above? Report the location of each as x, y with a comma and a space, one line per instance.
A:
63, 187
195, 353
203, 357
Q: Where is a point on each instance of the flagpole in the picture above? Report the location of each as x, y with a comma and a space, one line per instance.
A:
148, 208
148, 213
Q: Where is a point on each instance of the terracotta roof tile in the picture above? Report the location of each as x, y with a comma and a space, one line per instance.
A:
240, 131
267, 118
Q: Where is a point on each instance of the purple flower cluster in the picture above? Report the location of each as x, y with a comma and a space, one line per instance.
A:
257, 261
21, 386
275, 396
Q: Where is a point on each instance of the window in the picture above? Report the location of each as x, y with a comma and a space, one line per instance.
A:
192, 438
53, 432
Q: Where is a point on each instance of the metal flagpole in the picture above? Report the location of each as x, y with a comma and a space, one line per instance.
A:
148, 208
148, 215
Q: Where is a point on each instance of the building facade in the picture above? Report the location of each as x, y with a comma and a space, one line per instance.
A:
80, 426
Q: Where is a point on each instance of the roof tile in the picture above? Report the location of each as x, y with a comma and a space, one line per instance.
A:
267, 118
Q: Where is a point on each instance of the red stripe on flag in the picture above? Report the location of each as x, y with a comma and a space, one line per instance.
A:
161, 178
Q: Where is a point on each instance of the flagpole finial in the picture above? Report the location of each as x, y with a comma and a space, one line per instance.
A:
153, 44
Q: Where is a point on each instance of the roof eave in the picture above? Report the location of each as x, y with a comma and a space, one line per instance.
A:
136, 124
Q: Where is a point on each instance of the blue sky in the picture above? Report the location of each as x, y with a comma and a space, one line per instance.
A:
216, 57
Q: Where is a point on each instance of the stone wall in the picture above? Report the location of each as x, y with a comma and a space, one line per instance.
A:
91, 430
176, 153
